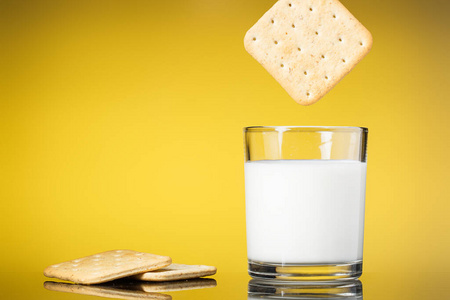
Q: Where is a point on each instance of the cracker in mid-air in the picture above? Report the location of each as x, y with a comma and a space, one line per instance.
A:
177, 272
308, 46
107, 266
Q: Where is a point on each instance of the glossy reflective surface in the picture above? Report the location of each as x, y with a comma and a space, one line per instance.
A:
21, 285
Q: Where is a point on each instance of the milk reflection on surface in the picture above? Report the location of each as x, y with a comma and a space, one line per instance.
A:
272, 289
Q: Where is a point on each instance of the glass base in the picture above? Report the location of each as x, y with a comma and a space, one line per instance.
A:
272, 289
305, 272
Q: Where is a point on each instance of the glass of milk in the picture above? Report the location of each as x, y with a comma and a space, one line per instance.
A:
304, 197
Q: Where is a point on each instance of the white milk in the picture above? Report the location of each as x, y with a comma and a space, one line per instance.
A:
305, 211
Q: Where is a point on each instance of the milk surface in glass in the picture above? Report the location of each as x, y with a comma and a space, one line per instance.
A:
305, 211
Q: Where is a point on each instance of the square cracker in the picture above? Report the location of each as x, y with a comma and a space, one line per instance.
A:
107, 266
103, 291
308, 46
177, 272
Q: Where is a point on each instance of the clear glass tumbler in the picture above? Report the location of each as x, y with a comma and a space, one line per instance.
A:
305, 195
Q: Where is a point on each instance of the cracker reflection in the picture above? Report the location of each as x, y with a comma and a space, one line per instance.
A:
163, 286
272, 289
128, 289
102, 290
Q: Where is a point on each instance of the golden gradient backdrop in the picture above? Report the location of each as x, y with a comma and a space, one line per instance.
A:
121, 127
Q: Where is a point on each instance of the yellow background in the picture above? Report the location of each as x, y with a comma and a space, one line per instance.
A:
121, 127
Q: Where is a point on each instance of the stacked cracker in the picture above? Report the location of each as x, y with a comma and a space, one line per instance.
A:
116, 264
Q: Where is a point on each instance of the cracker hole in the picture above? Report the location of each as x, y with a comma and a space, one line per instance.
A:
254, 39
334, 16
308, 94
306, 73
361, 43
326, 77
317, 33
276, 42
282, 65
293, 25
343, 60
340, 40
290, 4
299, 49
273, 21
310, 9
323, 56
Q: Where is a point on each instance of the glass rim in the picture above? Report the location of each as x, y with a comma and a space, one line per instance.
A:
305, 129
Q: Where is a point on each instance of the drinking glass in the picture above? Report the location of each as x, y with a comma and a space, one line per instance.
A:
304, 199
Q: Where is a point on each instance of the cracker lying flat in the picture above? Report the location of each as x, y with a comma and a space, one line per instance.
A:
107, 266
177, 272
308, 46
103, 291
